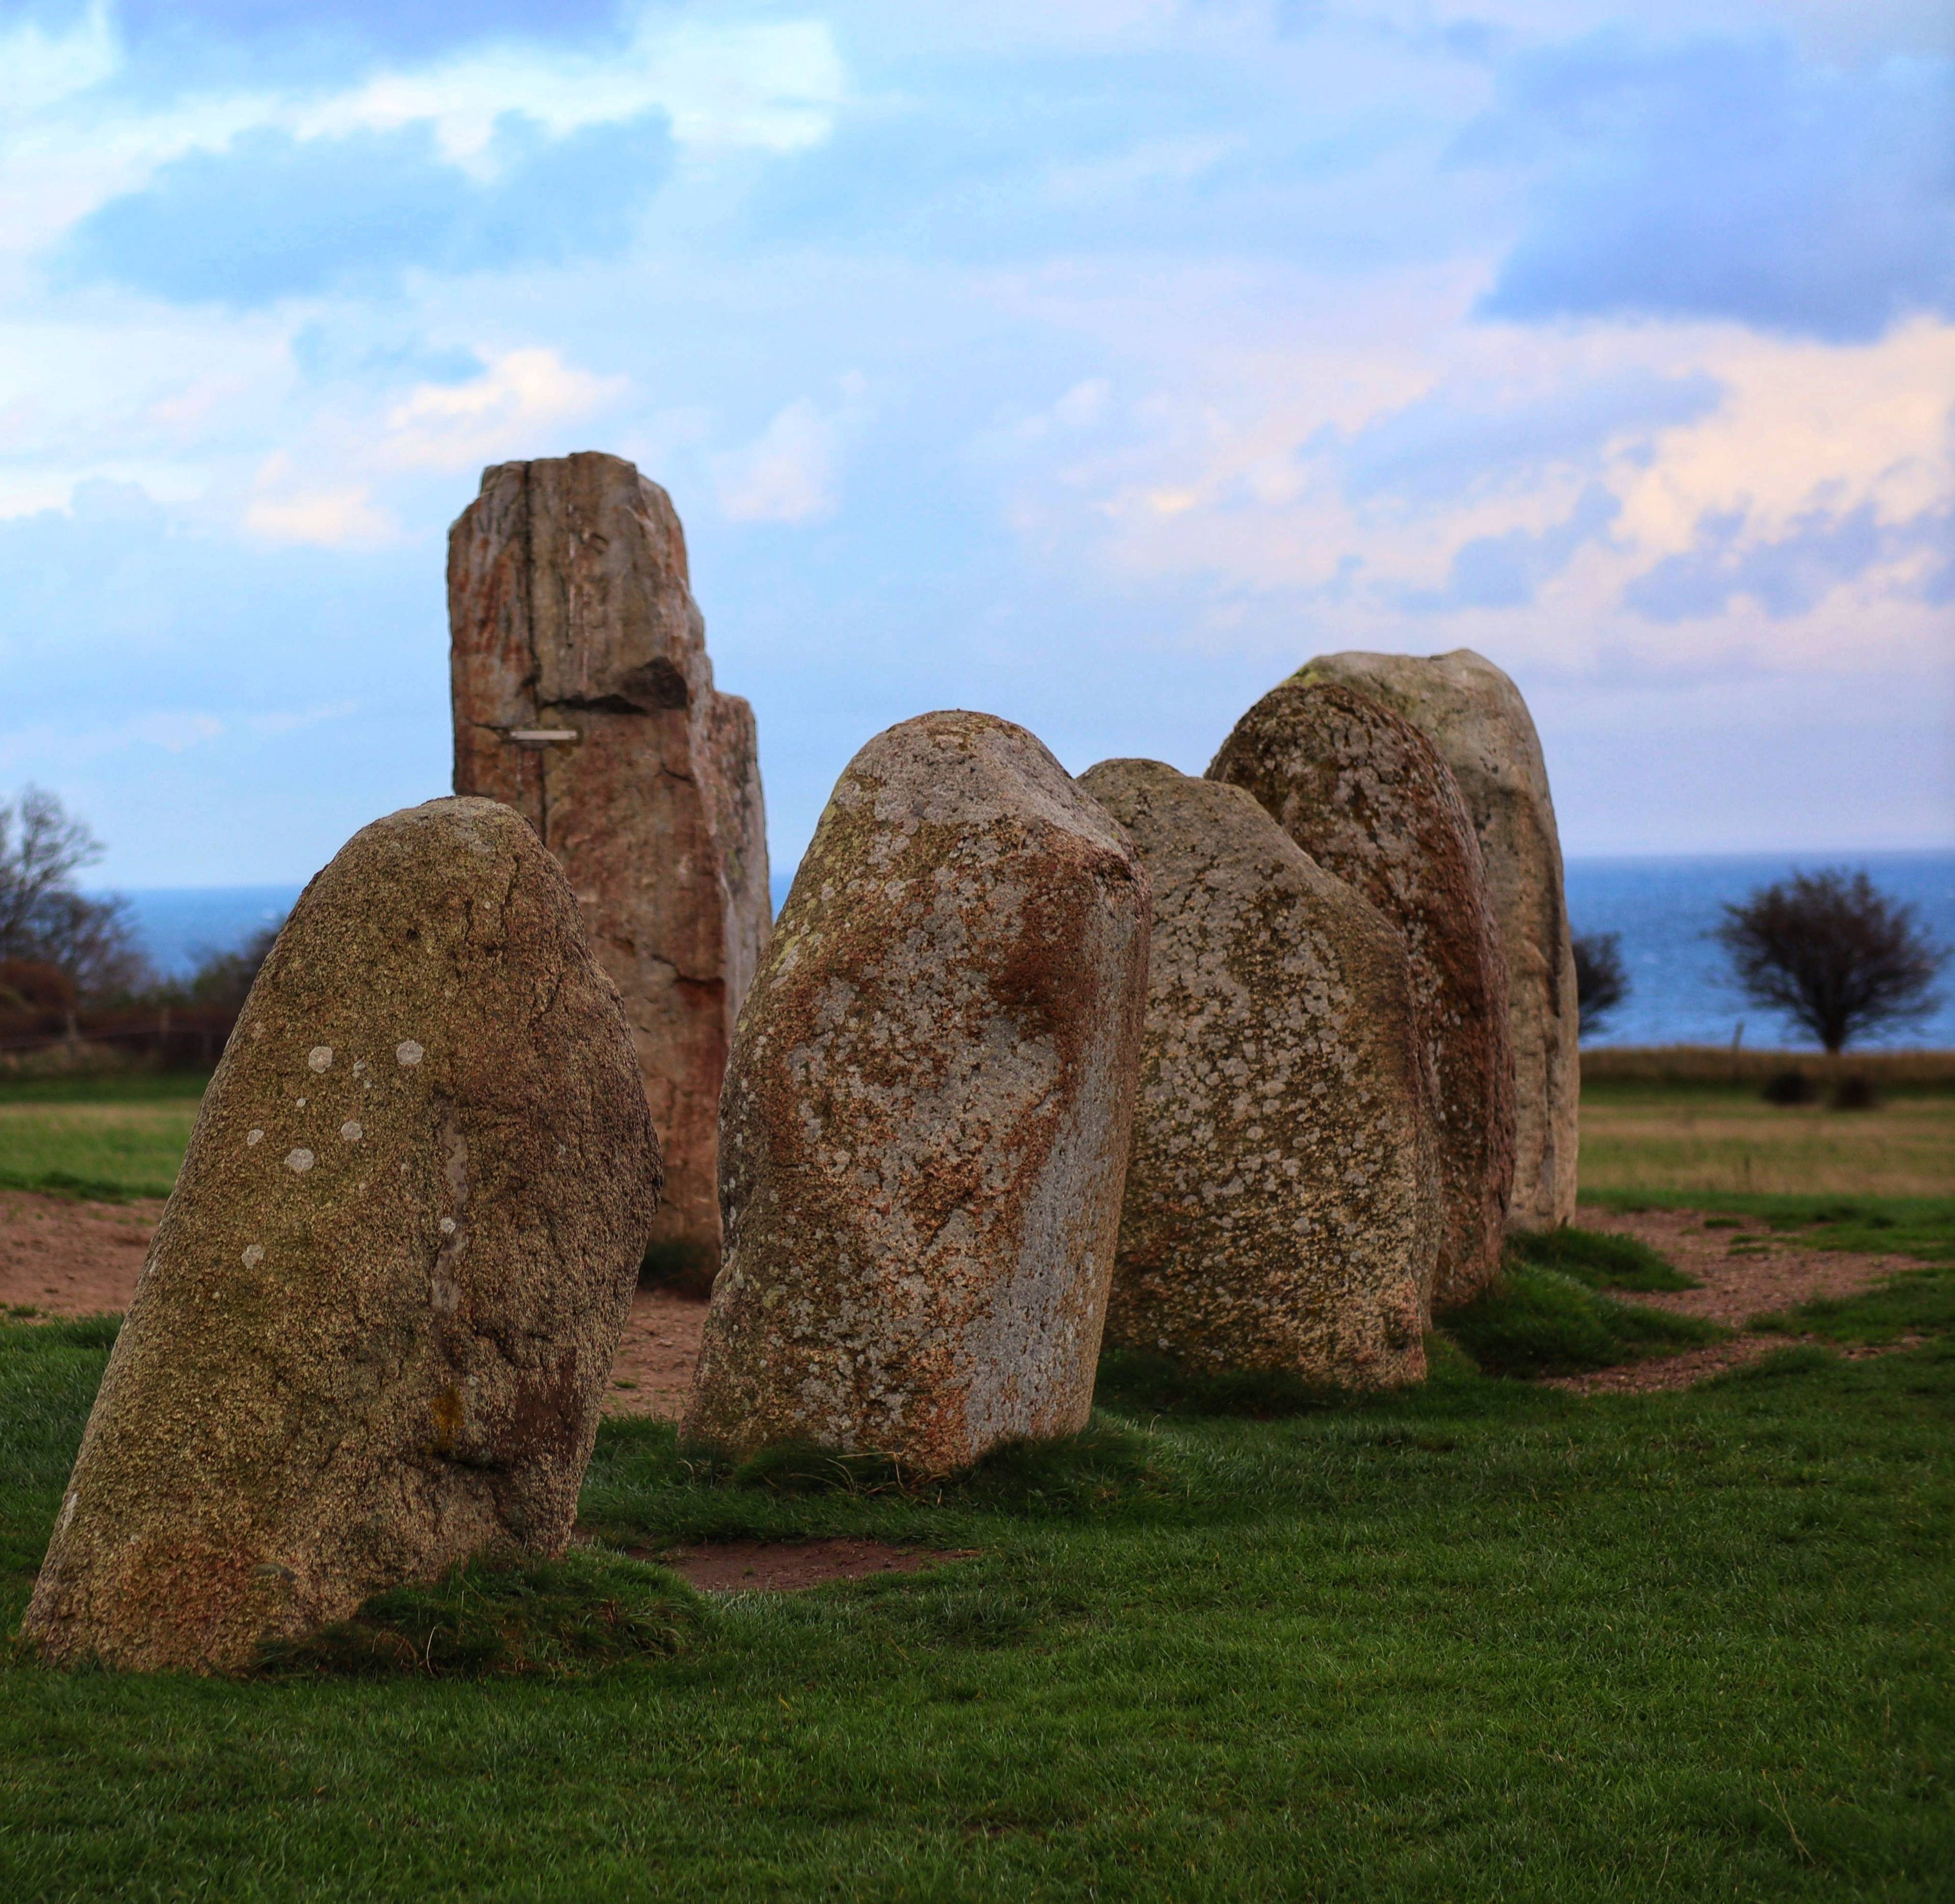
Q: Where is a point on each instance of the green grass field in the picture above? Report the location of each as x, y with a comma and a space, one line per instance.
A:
1485, 1641
116, 1137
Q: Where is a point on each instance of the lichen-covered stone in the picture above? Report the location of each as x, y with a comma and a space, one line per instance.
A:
926, 1111
375, 1325
1365, 795
1282, 1207
571, 613
1474, 716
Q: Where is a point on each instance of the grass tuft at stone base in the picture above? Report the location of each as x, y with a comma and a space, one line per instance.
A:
570, 1619
1597, 1258
1534, 1322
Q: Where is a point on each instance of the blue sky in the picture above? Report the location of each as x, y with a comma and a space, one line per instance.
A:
1094, 362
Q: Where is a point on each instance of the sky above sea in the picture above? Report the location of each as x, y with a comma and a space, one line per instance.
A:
1091, 362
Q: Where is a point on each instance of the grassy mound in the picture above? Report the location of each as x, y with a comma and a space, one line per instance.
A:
1597, 1258
568, 1619
1534, 1322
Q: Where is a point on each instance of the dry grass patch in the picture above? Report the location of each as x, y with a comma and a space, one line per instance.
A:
1727, 1144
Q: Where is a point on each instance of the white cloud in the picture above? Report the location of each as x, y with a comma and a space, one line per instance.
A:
44, 745
773, 87
39, 69
174, 732
509, 411
1232, 472
290, 720
790, 474
328, 518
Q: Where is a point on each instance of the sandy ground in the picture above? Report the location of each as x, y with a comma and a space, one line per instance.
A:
1746, 1272
61, 1256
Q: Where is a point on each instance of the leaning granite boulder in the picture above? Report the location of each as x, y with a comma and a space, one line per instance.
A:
1474, 716
1282, 1207
927, 1112
583, 698
1363, 792
378, 1317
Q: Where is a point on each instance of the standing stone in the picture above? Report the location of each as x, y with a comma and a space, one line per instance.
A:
377, 1320
1282, 1207
572, 615
927, 1112
1363, 792
1474, 716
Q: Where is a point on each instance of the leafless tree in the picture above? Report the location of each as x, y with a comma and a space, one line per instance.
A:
1601, 980
1838, 957
44, 917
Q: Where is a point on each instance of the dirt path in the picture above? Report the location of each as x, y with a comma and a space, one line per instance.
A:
1747, 1271
62, 1257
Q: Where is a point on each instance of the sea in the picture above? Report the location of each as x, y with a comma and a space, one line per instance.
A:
1664, 910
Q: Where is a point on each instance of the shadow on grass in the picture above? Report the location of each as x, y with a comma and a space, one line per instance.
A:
587, 1613
65, 1183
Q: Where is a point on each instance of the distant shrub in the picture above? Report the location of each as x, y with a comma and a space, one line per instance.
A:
1856, 1093
1789, 1087
1601, 979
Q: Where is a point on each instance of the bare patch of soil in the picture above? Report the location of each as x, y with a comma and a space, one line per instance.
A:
60, 1256
1748, 1271
790, 1567
656, 1358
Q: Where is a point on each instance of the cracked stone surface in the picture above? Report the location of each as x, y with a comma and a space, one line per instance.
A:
571, 613
1366, 796
1282, 1207
928, 1112
334, 1380
1474, 716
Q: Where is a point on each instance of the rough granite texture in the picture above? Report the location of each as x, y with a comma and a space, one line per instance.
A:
376, 1322
1364, 793
1474, 716
927, 1113
1282, 1207
570, 611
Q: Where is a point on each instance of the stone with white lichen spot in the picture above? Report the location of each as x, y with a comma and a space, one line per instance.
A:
1368, 797
1282, 1206
926, 1111
321, 1390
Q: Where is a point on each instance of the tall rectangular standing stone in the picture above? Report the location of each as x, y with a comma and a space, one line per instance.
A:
583, 698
